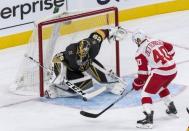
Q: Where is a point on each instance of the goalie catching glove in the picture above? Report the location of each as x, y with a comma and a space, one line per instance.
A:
117, 33
58, 58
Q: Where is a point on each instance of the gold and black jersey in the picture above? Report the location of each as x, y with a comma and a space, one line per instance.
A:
71, 55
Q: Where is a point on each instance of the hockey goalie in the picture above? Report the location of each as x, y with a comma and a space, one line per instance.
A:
78, 65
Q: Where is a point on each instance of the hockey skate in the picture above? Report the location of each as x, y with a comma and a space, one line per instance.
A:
172, 111
51, 92
146, 123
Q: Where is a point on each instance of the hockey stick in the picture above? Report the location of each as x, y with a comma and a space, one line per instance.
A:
85, 96
93, 115
109, 73
113, 75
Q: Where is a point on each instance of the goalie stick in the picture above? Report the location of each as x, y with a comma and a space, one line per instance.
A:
85, 96
109, 73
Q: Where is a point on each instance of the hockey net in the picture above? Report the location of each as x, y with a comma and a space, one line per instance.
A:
52, 35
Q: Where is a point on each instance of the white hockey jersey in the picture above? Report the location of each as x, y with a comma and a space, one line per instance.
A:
155, 56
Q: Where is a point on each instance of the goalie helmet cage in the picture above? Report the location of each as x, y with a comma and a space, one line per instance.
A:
68, 24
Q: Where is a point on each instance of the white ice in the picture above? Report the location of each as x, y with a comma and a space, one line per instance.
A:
39, 116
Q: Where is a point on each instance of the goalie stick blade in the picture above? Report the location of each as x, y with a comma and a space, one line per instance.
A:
87, 114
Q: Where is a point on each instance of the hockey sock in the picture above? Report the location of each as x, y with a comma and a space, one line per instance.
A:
147, 104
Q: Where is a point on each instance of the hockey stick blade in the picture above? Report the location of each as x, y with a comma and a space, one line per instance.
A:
87, 114
93, 115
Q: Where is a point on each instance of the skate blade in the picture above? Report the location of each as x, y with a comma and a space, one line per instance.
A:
146, 126
174, 115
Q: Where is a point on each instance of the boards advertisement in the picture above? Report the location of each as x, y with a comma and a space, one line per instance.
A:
25, 12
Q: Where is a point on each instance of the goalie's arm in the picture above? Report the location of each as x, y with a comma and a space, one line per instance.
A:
96, 38
115, 33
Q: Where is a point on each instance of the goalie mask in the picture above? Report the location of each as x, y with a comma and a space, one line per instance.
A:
138, 37
83, 49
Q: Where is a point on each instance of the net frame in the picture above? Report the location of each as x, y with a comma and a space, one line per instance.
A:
69, 18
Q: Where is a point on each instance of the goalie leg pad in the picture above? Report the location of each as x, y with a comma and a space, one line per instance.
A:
59, 89
80, 79
96, 73
55, 91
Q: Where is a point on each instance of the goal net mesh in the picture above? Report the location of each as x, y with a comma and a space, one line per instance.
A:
52, 35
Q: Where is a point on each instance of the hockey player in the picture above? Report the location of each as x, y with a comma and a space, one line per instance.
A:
156, 69
77, 64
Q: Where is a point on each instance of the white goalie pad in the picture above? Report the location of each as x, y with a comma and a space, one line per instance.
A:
116, 88
57, 87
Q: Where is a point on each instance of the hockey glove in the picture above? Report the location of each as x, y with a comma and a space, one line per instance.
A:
169, 48
117, 33
58, 58
138, 84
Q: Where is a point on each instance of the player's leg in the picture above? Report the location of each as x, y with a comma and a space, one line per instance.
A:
97, 74
55, 88
80, 79
112, 85
164, 94
151, 87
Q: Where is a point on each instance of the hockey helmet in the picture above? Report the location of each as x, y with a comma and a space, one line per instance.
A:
83, 49
139, 37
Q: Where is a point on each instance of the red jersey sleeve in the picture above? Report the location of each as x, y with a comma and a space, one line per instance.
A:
169, 48
142, 63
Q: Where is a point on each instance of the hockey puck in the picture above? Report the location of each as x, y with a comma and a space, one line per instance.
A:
187, 110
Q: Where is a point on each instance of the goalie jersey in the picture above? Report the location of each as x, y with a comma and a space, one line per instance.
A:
79, 56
